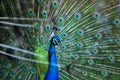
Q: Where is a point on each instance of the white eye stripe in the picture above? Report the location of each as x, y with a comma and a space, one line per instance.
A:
55, 41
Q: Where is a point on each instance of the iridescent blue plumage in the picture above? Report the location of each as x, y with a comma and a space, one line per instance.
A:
52, 73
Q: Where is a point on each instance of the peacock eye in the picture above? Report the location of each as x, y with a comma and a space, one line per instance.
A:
34, 38
117, 40
96, 15
76, 57
116, 21
6, 65
104, 73
80, 45
58, 57
41, 0
55, 4
77, 16
63, 47
60, 21
64, 35
41, 39
31, 12
95, 51
98, 35
24, 68
111, 58
90, 62
33, 70
23, 0
85, 73
36, 26
44, 13
11, 74
28, 28
47, 28
80, 32
17, 61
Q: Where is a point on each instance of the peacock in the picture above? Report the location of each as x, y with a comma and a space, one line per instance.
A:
59, 39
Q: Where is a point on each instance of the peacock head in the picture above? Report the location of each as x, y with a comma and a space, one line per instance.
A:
55, 41
55, 30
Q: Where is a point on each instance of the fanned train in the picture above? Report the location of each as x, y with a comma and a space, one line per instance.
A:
89, 37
